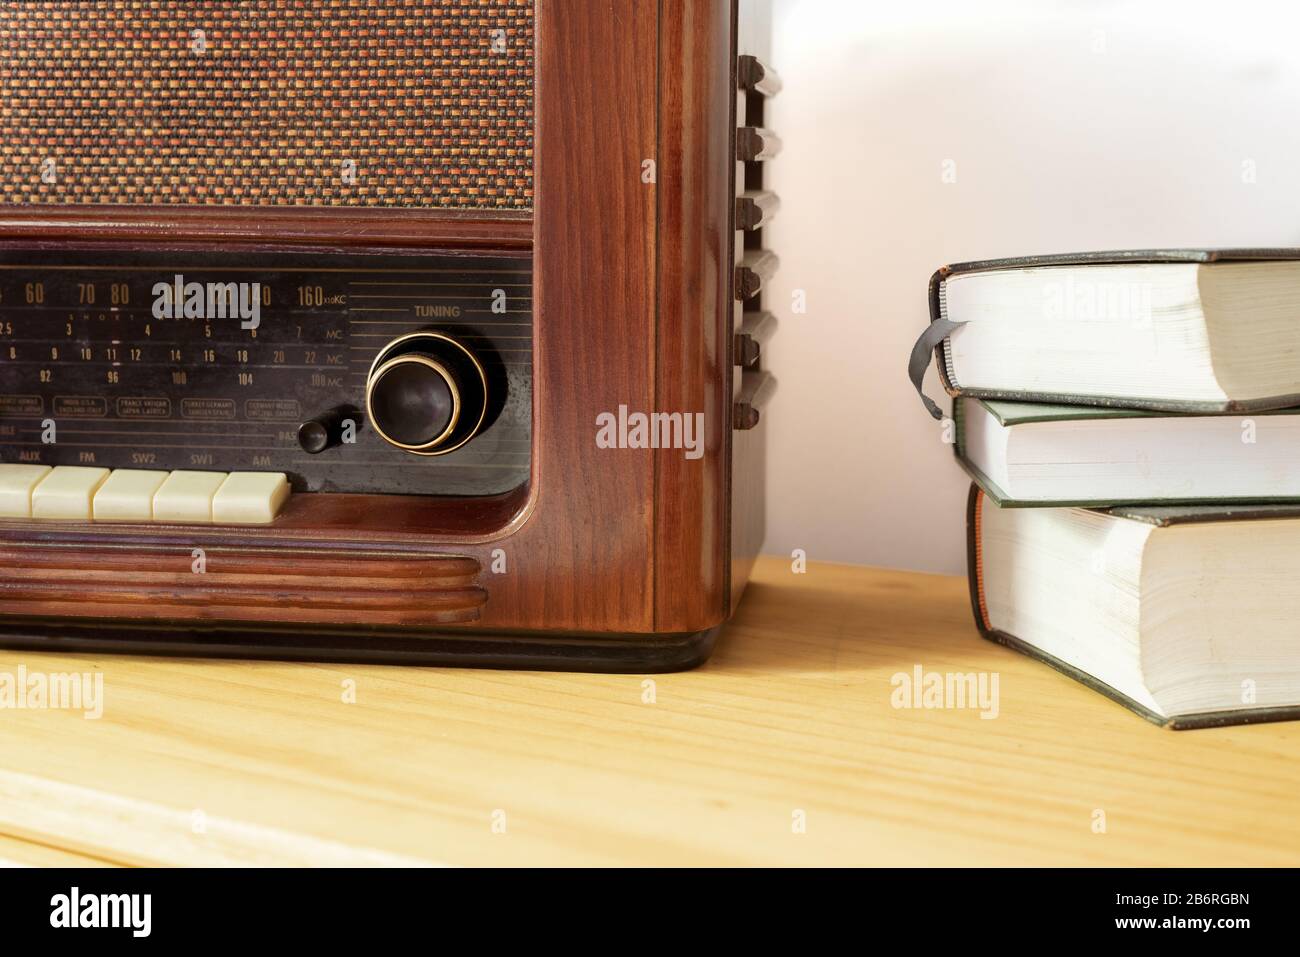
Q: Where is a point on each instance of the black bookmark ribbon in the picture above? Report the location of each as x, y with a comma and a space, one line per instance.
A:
934, 334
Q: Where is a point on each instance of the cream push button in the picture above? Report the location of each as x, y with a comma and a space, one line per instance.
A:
250, 498
127, 496
68, 492
16, 485
187, 497
130, 495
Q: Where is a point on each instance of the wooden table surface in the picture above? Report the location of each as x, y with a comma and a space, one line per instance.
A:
216, 763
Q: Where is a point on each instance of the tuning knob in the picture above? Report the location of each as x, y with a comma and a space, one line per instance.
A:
426, 393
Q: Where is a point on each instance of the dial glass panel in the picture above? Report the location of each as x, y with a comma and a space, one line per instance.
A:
167, 359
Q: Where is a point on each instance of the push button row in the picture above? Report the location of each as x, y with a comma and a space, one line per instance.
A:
129, 495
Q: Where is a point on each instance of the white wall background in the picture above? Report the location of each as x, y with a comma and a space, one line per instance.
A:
1073, 126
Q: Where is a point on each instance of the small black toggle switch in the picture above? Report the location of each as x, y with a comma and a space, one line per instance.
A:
326, 430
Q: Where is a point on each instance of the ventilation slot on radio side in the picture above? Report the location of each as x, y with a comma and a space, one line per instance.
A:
755, 208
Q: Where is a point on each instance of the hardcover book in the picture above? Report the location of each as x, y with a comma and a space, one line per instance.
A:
1186, 615
1025, 453
1175, 330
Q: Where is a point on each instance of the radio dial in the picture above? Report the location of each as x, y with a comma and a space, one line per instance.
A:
426, 393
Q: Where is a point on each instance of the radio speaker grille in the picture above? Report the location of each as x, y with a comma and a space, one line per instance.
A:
408, 103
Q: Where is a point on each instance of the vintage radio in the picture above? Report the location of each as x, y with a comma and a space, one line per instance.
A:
413, 331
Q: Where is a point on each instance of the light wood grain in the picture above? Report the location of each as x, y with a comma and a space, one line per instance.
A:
19, 853
793, 713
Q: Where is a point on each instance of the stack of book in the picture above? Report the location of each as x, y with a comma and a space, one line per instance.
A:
1129, 422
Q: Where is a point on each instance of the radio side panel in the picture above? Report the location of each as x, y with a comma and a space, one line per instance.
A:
753, 323
696, 200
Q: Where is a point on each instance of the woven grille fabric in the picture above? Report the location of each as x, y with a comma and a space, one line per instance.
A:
407, 103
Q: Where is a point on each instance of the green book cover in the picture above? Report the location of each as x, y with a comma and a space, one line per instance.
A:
1013, 413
